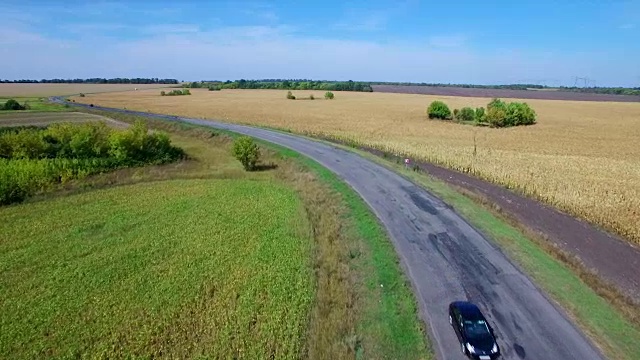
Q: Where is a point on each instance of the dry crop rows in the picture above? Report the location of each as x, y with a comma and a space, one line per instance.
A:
581, 156
28, 90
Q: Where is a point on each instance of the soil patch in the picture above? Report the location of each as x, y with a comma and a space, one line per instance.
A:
503, 93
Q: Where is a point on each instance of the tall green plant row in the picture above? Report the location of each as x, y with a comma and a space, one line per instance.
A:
34, 160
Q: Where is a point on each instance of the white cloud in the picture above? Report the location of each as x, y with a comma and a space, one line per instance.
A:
253, 52
627, 26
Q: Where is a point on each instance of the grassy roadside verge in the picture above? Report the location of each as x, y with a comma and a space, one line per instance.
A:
388, 309
365, 307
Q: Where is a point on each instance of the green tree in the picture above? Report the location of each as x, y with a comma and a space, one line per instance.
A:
328, 95
501, 114
439, 110
13, 105
519, 114
496, 116
480, 115
246, 151
466, 114
497, 103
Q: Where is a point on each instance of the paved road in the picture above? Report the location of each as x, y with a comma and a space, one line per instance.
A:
444, 257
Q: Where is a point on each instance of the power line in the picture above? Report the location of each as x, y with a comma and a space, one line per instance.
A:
585, 81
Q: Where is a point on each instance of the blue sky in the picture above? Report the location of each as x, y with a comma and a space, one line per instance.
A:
496, 42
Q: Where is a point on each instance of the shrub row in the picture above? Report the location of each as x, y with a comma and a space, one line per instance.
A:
328, 96
501, 114
32, 160
175, 92
22, 178
498, 113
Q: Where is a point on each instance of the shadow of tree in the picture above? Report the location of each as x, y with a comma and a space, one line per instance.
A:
265, 167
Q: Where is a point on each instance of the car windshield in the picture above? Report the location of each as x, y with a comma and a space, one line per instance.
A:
476, 329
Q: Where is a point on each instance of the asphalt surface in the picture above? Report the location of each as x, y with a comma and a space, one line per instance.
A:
443, 256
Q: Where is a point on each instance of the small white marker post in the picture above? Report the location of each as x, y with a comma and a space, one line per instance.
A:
406, 162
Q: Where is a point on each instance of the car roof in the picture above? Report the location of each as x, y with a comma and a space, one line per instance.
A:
468, 310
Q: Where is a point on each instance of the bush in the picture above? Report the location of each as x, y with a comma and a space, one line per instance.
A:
89, 141
246, 151
23, 144
496, 103
455, 113
519, 114
328, 95
311, 97
13, 105
163, 93
496, 116
290, 96
480, 115
177, 92
439, 110
466, 114
501, 114
81, 95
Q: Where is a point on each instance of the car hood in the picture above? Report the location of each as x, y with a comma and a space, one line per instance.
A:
482, 344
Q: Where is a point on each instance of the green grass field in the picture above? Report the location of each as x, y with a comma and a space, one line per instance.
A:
176, 267
36, 104
30, 118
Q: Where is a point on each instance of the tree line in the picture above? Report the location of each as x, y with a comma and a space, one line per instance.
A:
95, 81
604, 90
470, 86
283, 85
595, 90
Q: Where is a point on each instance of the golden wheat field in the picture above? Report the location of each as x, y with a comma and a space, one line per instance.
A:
31, 90
582, 157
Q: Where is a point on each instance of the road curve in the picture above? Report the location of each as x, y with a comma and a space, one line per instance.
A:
444, 257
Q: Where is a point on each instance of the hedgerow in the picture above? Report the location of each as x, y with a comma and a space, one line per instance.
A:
498, 113
34, 160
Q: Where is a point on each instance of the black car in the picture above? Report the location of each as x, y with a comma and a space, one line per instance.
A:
474, 332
